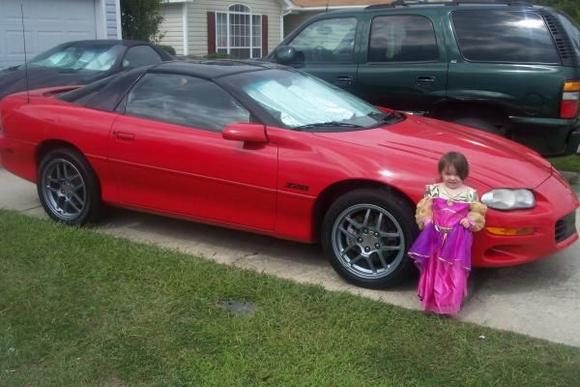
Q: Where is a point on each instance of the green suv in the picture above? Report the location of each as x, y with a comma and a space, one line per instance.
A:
508, 68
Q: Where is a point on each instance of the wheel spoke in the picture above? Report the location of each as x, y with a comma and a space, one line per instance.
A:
347, 232
65, 172
389, 234
391, 248
371, 264
367, 215
51, 189
349, 248
382, 259
353, 222
71, 203
379, 221
79, 200
356, 259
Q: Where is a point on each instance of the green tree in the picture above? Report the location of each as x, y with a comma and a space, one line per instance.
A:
570, 7
140, 19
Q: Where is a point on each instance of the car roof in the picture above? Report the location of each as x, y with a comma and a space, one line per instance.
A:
212, 69
106, 42
458, 4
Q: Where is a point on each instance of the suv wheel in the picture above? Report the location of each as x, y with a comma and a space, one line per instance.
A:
366, 234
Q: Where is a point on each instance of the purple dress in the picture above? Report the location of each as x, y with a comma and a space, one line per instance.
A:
442, 253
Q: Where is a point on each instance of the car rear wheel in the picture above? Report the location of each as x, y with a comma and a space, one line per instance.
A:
68, 188
366, 234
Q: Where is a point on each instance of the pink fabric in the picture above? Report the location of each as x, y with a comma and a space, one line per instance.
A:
442, 252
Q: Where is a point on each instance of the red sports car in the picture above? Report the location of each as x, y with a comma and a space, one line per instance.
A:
268, 149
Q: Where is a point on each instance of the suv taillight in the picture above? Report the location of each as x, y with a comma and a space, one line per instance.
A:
570, 97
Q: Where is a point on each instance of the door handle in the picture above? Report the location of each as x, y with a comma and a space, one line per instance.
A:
125, 136
427, 79
343, 80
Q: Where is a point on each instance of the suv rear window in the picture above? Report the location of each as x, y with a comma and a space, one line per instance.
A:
504, 36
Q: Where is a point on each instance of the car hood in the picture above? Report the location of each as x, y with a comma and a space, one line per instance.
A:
13, 80
494, 161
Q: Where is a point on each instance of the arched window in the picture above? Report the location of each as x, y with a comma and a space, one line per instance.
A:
239, 32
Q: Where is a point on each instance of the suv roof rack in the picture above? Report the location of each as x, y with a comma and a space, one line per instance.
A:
403, 3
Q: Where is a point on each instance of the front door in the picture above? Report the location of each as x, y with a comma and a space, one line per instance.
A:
326, 49
169, 155
402, 67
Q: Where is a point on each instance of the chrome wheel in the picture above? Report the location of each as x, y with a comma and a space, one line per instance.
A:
368, 241
63, 189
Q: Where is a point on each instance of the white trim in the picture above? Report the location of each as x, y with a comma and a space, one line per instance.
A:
282, 26
118, 17
185, 30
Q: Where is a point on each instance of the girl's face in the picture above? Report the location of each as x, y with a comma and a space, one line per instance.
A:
450, 178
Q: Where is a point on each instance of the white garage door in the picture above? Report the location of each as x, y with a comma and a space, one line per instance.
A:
47, 23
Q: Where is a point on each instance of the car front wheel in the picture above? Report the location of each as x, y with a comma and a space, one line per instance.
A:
366, 234
67, 187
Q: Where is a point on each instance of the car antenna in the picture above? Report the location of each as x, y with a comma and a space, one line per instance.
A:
26, 84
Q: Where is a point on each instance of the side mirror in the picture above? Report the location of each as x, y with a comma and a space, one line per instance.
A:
254, 133
285, 54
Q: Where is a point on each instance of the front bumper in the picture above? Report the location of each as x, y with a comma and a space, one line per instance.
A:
553, 220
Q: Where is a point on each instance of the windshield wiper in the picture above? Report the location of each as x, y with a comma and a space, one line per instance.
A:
328, 124
386, 118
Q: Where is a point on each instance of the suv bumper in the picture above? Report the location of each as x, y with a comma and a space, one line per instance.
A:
549, 136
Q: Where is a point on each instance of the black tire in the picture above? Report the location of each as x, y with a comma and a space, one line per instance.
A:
385, 263
68, 188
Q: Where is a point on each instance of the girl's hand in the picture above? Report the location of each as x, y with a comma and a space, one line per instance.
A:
465, 223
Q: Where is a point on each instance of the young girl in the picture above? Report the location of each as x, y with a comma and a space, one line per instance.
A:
448, 214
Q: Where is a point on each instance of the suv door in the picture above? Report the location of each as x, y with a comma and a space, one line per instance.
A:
403, 63
326, 48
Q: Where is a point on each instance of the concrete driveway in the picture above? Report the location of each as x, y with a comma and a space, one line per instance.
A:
541, 299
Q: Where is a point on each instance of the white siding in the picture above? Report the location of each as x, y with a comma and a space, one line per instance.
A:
172, 27
198, 21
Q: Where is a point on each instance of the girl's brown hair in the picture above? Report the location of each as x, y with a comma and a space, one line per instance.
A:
456, 160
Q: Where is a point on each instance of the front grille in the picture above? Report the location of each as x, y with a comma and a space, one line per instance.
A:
565, 227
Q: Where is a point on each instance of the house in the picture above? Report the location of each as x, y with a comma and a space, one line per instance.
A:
298, 11
243, 29
51, 22
238, 28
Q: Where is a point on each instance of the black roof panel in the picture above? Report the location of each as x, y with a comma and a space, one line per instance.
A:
210, 69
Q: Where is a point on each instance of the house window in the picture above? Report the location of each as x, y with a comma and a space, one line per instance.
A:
239, 32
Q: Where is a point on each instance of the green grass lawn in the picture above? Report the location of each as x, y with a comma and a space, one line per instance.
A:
569, 163
80, 308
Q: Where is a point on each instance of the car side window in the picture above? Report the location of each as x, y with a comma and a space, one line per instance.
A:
140, 56
504, 36
326, 41
184, 100
404, 38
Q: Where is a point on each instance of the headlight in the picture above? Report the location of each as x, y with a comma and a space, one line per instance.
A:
509, 199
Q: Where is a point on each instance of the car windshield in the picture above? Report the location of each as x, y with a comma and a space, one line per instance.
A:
300, 101
74, 58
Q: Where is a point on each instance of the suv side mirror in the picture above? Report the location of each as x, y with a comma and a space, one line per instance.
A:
285, 54
254, 133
